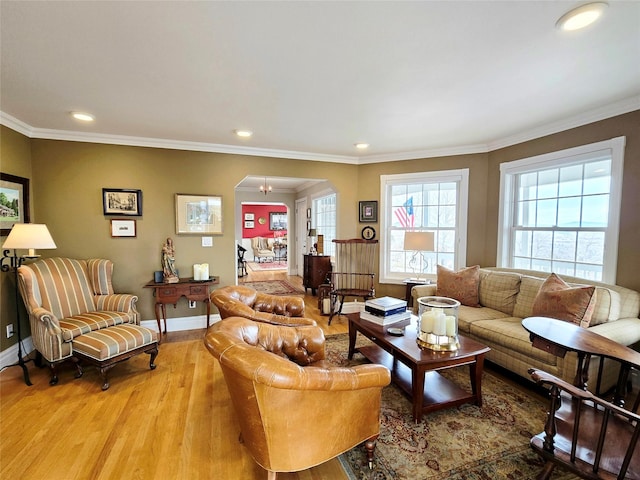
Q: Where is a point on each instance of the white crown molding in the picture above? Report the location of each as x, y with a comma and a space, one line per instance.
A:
614, 109
608, 111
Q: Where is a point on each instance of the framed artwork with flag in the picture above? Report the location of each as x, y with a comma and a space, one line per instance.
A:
368, 211
405, 214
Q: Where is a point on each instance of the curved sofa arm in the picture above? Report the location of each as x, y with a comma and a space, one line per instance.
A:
286, 305
422, 291
44, 321
119, 302
228, 306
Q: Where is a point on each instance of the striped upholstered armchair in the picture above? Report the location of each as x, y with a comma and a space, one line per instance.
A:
75, 314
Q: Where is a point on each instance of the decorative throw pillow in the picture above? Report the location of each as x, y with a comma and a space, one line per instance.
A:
556, 299
461, 285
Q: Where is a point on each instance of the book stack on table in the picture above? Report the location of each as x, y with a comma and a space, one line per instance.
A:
385, 311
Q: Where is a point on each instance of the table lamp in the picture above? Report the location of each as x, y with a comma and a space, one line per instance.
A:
23, 236
418, 242
313, 233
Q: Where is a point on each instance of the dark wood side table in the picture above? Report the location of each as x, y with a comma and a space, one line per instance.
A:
559, 337
315, 271
170, 293
410, 283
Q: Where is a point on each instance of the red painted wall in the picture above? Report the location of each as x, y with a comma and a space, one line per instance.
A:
261, 211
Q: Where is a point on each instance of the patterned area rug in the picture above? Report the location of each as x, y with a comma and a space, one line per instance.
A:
460, 443
264, 266
274, 287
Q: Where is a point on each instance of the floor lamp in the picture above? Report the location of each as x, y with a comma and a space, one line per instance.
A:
418, 242
24, 236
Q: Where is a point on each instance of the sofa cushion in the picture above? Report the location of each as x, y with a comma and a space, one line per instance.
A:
556, 299
499, 290
468, 315
510, 333
461, 285
529, 287
607, 306
77, 325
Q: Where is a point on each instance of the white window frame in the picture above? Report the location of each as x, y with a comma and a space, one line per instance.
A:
328, 245
460, 176
577, 155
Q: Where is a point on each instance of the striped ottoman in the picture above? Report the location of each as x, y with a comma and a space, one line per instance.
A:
108, 346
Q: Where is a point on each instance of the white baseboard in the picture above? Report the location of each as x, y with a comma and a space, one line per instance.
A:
10, 355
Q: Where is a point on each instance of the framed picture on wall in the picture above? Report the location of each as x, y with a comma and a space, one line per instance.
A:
369, 211
277, 220
122, 201
249, 216
198, 214
14, 201
249, 224
123, 228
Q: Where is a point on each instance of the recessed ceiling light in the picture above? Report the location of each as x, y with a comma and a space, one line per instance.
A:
83, 117
243, 133
582, 16
362, 146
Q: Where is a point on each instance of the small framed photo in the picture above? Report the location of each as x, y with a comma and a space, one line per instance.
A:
198, 214
249, 224
122, 201
249, 216
14, 202
123, 228
369, 211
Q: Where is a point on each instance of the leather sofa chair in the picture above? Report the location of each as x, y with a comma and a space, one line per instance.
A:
295, 410
241, 301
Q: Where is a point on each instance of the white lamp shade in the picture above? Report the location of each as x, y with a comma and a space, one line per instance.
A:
419, 241
29, 236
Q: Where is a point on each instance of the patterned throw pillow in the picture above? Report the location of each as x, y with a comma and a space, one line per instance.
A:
556, 299
461, 285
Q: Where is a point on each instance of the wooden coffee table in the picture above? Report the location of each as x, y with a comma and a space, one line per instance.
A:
413, 368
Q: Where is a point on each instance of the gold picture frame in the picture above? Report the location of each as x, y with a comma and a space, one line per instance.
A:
198, 214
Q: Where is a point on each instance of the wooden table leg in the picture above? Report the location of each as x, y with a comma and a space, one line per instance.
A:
475, 370
352, 339
164, 316
417, 390
208, 310
158, 313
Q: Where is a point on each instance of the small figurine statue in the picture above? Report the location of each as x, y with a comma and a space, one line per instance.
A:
169, 272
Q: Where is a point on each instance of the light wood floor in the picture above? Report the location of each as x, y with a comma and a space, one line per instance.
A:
175, 422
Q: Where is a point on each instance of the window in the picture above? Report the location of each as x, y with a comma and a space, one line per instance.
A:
324, 213
424, 202
560, 211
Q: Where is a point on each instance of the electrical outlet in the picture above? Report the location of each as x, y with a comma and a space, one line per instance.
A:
10, 330
192, 304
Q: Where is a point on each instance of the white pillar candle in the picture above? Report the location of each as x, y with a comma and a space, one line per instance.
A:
326, 306
204, 271
451, 325
196, 271
439, 324
426, 322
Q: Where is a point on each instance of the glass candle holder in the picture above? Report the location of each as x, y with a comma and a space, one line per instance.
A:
438, 324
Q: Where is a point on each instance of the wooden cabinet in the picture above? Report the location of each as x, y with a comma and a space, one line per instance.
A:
316, 270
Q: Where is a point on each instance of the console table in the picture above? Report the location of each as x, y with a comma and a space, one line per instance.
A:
170, 293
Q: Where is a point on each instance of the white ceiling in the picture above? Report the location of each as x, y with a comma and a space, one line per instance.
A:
412, 79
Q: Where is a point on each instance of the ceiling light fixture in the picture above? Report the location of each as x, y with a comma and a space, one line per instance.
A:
243, 133
582, 16
83, 117
265, 188
362, 146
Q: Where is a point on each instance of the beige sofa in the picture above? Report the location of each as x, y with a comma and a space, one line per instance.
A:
507, 296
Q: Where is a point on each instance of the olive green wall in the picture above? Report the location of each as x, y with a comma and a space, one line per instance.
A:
69, 176
629, 240
15, 159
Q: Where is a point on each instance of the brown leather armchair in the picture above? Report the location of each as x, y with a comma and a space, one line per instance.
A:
295, 410
241, 301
